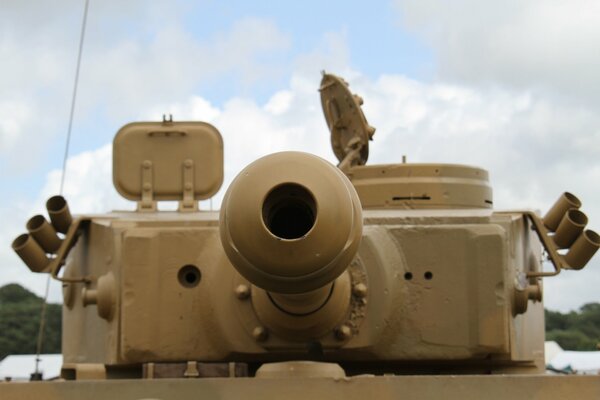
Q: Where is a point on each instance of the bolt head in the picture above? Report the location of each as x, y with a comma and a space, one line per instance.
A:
242, 291
360, 290
343, 332
260, 333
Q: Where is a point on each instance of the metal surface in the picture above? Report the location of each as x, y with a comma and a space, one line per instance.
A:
516, 387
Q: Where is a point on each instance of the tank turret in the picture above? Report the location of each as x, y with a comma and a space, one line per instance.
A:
308, 269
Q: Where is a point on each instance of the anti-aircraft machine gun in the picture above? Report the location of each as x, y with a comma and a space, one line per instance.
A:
311, 282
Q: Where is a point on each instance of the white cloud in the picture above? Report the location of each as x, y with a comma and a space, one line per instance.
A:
135, 56
13, 115
332, 54
133, 74
280, 102
545, 44
88, 183
494, 128
195, 109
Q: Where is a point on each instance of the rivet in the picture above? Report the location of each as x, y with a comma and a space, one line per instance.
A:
343, 332
242, 291
260, 333
147, 164
188, 163
360, 290
188, 186
147, 186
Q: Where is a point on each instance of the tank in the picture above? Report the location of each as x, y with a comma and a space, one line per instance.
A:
312, 281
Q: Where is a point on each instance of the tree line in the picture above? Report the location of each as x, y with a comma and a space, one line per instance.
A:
20, 312
577, 330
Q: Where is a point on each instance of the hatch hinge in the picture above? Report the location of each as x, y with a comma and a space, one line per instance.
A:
189, 203
147, 204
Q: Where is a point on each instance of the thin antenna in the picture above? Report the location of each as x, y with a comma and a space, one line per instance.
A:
74, 97
40, 338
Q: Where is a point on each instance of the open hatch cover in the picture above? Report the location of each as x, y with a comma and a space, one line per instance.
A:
350, 132
168, 161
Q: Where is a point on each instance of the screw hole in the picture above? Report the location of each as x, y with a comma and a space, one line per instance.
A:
189, 276
408, 276
428, 275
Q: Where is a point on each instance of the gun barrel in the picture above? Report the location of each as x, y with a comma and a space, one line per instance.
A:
291, 223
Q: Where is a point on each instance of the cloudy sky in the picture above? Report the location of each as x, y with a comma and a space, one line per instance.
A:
511, 86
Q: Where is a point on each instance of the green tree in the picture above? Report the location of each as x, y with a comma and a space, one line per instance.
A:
575, 330
19, 322
555, 321
571, 340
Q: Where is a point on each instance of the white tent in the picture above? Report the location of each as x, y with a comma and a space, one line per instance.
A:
551, 349
20, 367
580, 362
